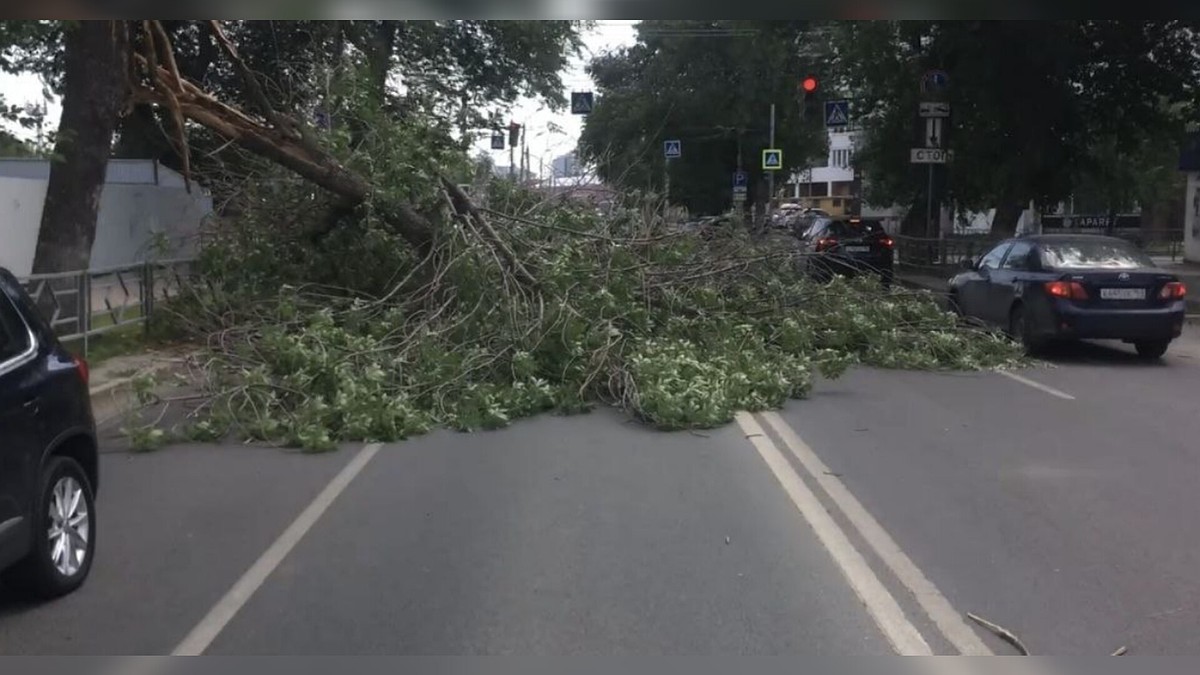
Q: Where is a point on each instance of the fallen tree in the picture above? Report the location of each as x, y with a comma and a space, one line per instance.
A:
426, 309
678, 330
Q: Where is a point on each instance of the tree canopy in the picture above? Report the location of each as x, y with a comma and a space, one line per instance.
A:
1038, 107
709, 84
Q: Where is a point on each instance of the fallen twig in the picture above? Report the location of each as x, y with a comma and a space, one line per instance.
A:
1001, 632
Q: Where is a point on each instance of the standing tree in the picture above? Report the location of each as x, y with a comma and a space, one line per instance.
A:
1035, 104
94, 91
709, 84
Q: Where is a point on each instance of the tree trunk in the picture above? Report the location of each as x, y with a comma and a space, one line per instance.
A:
1004, 223
93, 93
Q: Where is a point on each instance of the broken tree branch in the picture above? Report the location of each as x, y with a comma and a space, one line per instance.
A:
463, 204
1001, 632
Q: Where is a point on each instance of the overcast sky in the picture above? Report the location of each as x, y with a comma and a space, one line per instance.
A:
543, 143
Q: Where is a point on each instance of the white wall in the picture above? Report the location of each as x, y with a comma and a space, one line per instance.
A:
130, 216
1191, 219
20, 213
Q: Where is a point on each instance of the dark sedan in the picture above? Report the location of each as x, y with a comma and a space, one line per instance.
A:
1066, 287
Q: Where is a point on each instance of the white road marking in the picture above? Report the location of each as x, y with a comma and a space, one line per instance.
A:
949, 621
904, 637
227, 607
1036, 385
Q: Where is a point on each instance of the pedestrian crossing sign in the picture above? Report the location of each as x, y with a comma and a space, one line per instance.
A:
837, 113
772, 160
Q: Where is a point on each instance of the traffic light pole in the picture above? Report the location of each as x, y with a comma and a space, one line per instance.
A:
771, 174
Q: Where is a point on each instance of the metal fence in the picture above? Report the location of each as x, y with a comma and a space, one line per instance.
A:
81, 305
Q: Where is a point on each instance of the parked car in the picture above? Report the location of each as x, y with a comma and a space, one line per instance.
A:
1064, 287
48, 454
844, 245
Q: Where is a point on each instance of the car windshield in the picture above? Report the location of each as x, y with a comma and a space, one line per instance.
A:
1097, 253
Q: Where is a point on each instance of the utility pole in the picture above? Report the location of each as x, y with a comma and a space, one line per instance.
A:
929, 207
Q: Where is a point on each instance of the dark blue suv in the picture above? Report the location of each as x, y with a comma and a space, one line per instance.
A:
48, 455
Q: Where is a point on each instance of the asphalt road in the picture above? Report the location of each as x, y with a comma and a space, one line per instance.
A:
865, 520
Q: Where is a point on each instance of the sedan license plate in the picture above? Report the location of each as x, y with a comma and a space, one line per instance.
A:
858, 249
1122, 294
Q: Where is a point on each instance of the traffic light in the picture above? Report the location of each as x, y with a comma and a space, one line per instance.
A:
514, 134
810, 97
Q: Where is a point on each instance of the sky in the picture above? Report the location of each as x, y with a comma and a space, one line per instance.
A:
544, 144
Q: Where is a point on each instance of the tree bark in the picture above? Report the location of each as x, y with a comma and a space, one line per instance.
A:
93, 94
1004, 223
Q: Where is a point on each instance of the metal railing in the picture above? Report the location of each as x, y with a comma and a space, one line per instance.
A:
81, 305
937, 257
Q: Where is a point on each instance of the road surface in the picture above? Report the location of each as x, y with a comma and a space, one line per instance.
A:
1058, 502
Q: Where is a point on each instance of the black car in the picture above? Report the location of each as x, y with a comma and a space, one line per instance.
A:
48, 457
1066, 287
845, 245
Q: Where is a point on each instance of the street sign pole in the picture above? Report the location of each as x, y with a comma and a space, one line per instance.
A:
667, 182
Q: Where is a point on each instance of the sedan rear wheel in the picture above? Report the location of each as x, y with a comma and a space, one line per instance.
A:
1151, 349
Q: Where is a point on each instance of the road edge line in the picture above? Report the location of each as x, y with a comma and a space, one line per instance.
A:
883, 609
1036, 385
931, 600
210, 627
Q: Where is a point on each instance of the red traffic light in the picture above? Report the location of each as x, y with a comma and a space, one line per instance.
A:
809, 84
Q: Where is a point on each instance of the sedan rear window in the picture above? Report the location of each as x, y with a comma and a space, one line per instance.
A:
862, 228
1101, 253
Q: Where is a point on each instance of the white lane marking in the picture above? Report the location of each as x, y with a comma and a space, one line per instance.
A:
904, 637
227, 607
1036, 385
950, 622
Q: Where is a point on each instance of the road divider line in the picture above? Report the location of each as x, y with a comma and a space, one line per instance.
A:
949, 621
884, 610
1036, 385
199, 639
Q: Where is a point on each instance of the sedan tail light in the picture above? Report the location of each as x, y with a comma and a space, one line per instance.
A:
826, 243
1070, 290
887, 242
1173, 290
81, 366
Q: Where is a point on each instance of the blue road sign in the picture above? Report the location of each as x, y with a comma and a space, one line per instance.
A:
672, 149
740, 179
772, 160
497, 141
934, 81
581, 102
837, 113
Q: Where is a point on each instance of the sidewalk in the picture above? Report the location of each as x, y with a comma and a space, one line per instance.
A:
110, 381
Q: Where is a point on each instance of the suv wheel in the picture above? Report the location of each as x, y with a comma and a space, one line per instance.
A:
64, 527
